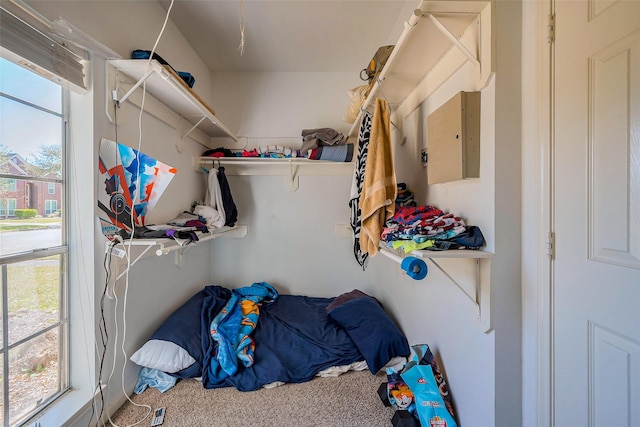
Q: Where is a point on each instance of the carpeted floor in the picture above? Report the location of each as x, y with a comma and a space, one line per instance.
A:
348, 400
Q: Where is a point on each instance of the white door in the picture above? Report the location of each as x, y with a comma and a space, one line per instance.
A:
596, 215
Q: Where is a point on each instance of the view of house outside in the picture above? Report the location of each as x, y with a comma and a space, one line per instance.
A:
33, 249
31, 137
28, 197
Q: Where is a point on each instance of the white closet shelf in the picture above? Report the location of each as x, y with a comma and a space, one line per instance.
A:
290, 168
164, 246
433, 29
165, 85
482, 292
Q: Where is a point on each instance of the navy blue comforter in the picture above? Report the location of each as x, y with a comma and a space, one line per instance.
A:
295, 339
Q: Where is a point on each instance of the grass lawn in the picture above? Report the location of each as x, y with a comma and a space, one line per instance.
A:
18, 227
27, 224
34, 285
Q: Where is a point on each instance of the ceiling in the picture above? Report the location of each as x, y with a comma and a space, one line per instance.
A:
289, 35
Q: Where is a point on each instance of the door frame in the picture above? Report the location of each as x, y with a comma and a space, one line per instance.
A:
537, 181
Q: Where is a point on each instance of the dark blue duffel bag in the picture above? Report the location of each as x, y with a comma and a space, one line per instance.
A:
144, 54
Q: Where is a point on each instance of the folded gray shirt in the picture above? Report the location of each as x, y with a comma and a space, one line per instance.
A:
312, 138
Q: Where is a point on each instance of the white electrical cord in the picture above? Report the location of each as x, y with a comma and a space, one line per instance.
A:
136, 196
113, 365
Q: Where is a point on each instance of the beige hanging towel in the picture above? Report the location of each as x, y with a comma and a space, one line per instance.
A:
379, 190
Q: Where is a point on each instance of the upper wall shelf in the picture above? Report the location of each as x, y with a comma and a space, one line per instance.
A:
438, 38
165, 85
290, 168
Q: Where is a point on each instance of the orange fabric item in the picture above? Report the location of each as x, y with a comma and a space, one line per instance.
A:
379, 190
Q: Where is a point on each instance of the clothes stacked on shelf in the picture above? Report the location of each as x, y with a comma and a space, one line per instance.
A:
405, 196
326, 144
415, 227
317, 144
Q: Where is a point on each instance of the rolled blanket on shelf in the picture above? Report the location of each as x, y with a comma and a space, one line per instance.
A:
334, 153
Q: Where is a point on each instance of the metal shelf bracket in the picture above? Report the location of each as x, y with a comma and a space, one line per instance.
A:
480, 298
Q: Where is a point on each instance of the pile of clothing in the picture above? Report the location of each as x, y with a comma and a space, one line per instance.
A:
183, 229
265, 151
405, 196
326, 144
313, 138
414, 227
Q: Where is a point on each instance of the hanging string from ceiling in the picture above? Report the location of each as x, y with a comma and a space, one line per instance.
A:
242, 23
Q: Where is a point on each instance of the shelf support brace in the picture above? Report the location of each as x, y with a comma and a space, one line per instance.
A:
134, 87
479, 292
473, 299
132, 263
444, 30
292, 182
193, 127
179, 254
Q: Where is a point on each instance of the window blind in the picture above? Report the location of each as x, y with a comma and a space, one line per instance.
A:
39, 51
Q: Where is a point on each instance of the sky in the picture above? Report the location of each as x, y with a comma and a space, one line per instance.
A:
22, 128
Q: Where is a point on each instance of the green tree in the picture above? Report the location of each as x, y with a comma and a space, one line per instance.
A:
47, 162
4, 182
4, 157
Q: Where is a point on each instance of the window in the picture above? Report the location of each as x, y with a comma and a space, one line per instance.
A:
7, 207
33, 250
50, 207
8, 184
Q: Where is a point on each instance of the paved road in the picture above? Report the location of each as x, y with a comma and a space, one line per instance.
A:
19, 241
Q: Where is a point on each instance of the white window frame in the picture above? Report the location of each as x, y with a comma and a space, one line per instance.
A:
62, 251
10, 212
51, 188
47, 210
85, 253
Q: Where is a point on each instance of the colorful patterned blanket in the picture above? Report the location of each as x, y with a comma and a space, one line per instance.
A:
232, 327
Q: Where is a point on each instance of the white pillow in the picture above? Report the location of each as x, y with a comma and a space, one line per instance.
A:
357, 96
162, 355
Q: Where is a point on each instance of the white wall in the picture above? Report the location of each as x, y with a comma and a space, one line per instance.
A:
280, 105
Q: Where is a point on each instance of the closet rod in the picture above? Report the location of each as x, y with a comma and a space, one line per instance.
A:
253, 161
379, 86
